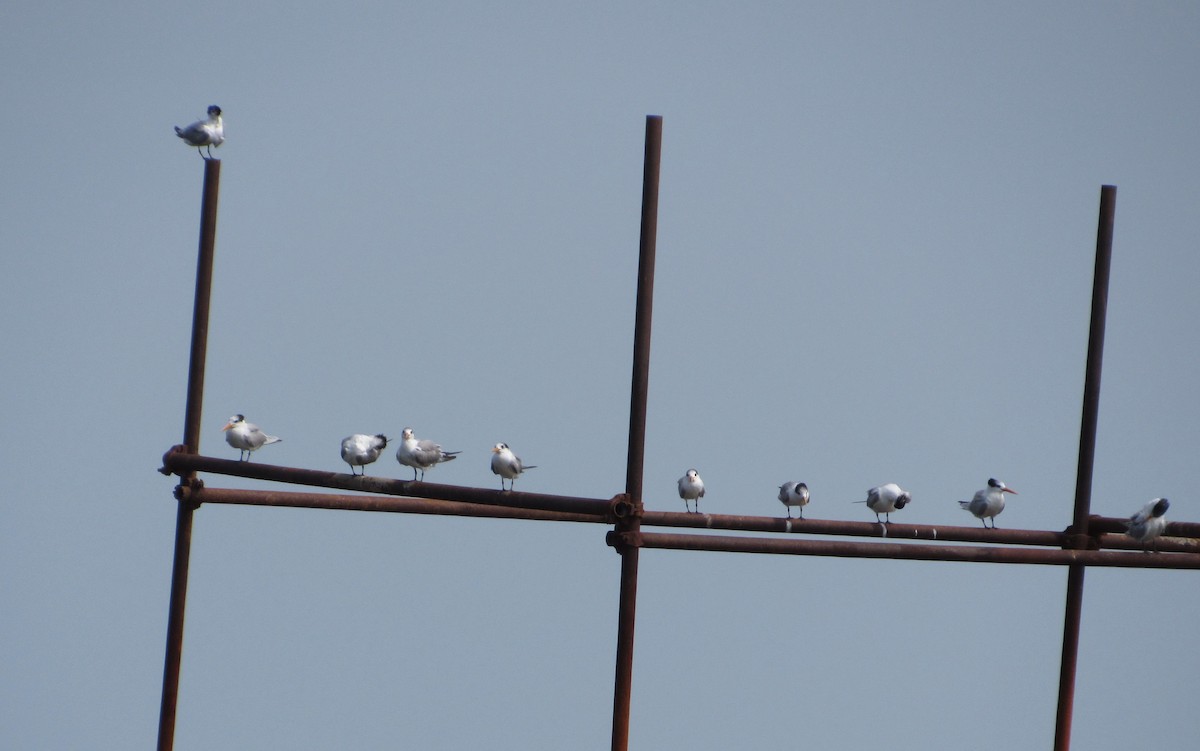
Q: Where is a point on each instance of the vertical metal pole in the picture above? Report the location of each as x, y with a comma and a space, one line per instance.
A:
1087, 455
630, 526
191, 439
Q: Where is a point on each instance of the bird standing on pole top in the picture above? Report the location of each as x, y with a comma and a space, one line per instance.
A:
204, 133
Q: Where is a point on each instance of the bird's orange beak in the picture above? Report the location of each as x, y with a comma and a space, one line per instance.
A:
1010, 490
228, 425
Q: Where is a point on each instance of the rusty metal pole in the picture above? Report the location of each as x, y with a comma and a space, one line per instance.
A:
629, 527
1083, 476
191, 440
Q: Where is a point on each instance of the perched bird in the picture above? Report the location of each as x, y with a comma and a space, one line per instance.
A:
246, 436
1147, 524
793, 494
204, 133
885, 499
989, 502
360, 449
691, 488
421, 455
507, 464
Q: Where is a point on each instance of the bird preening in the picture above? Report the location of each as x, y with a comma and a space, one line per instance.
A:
1150, 522
361, 449
793, 494
885, 499
204, 134
246, 437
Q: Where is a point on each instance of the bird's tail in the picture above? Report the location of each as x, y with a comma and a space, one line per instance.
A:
272, 439
965, 504
448, 455
531, 466
179, 131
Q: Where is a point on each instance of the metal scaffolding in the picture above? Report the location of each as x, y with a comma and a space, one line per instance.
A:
1089, 541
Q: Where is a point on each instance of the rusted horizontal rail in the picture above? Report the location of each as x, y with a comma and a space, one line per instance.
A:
382, 503
961, 553
404, 496
931, 533
178, 462
1182, 536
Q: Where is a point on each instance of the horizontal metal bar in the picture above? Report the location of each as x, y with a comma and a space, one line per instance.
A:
962, 553
177, 461
384, 503
892, 531
1107, 532
927, 532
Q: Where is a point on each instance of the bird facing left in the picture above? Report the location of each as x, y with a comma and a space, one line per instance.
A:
507, 464
246, 436
204, 133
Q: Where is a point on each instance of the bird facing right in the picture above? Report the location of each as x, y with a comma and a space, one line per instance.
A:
989, 502
204, 133
360, 449
246, 437
793, 494
1150, 522
885, 499
507, 464
691, 488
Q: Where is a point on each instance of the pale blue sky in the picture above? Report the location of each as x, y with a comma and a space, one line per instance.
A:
876, 236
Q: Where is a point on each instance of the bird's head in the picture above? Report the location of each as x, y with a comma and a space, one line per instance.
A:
903, 500
1160, 507
214, 111
234, 421
499, 447
383, 438
408, 433
994, 483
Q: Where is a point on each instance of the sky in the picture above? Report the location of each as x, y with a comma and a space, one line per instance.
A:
876, 239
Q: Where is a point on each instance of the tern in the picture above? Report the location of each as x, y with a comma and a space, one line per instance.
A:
691, 488
885, 499
204, 133
360, 449
989, 502
507, 464
246, 436
421, 455
793, 494
1147, 524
